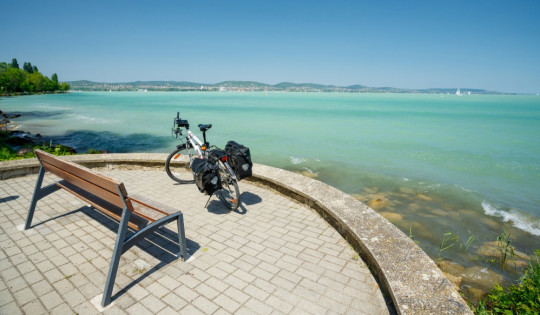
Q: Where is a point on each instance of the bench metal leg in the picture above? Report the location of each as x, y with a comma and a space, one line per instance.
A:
182, 237
115, 260
35, 197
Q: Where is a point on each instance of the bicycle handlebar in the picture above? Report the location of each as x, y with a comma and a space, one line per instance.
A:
178, 122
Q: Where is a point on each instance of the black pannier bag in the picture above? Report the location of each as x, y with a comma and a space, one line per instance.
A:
239, 158
206, 175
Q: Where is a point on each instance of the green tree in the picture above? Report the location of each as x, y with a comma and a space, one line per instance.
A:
28, 67
3, 66
54, 78
14, 64
12, 80
35, 69
38, 83
64, 87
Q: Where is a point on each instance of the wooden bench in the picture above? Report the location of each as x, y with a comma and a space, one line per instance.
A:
110, 197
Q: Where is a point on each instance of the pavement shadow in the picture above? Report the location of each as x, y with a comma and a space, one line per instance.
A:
247, 199
8, 198
162, 244
54, 218
217, 207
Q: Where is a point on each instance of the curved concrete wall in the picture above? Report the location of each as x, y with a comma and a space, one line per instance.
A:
411, 279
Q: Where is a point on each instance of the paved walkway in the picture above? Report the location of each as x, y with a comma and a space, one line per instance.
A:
273, 255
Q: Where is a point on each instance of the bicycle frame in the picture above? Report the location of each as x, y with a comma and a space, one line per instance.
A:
197, 144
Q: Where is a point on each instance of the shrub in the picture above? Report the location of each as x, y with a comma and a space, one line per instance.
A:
521, 298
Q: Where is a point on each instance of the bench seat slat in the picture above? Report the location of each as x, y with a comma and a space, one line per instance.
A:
135, 222
84, 185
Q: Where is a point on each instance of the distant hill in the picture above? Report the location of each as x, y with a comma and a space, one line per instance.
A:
85, 85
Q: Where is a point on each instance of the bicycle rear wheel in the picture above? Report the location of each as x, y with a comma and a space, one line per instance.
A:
178, 165
230, 194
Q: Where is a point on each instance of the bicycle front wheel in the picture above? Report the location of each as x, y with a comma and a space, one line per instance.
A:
178, 165
230, 194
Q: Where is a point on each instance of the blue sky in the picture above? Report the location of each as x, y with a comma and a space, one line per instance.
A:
492, 45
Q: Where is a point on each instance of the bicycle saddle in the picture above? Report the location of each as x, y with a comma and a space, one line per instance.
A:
205, 127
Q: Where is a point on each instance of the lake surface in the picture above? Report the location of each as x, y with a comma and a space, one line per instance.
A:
461, 165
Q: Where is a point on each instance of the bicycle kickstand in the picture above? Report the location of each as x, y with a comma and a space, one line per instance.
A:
206, 205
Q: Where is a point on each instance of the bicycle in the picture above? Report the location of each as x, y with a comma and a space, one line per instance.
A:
176, 164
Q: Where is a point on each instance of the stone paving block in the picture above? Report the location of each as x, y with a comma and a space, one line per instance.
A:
33, 307
206, 291
304, 273
89, 290
205, 305
282, 283
53, 275
61, 309
174, 301
139, 309
279, 304
51, 300
17, 284
228, 304
153, 303
168, 282
236, 295
11, 308
63, 286
190, 309
254, 291
5, 297
260, 273
41, 287
186, 293
258, 307
10, 273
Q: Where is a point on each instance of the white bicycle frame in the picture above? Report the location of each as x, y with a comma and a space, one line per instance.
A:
197, 145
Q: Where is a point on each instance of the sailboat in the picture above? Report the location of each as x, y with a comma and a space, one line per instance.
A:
458, 92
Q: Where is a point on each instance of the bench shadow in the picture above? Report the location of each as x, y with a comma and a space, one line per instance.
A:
162, 244
8, 198
56, 217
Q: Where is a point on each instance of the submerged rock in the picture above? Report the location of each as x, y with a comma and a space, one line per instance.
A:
447, 265
456, 280
423, 197
482, 277
474, 294
377, 203
371, 190
451, 270
392, 216
309, 174
408, 191
492, 249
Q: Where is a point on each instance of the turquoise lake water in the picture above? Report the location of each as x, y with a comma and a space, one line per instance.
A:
466, 164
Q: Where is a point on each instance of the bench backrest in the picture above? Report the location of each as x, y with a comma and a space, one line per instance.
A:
98, 185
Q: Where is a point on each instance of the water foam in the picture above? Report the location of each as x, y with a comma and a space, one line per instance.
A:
519, 220
91, 119
297, 160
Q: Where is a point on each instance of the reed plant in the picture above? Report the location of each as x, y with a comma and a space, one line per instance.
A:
505, 249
